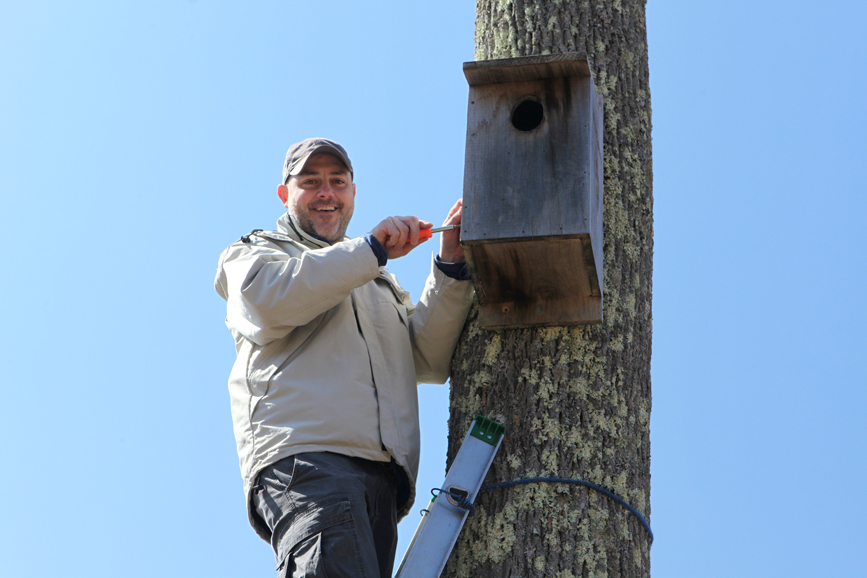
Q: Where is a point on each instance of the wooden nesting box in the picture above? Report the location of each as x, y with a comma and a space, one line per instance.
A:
532, 219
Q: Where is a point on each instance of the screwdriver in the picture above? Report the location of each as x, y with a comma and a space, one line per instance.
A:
428, 233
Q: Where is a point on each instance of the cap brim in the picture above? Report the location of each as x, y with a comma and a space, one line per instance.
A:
320, 149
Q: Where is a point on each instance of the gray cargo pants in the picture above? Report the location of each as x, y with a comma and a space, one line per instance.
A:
330, 515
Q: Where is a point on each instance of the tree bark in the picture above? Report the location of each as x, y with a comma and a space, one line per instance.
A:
575, 400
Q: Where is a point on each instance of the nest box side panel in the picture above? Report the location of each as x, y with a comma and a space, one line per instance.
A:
598, 182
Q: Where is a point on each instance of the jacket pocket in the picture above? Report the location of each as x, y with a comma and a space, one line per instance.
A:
399, 292
268, 360
401, 312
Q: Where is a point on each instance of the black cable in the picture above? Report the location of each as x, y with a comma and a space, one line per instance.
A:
610, 494
461, 500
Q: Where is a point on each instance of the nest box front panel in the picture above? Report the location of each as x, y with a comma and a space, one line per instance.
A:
529, 168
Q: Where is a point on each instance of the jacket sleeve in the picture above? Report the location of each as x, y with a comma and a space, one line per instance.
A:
270, 292
436, 324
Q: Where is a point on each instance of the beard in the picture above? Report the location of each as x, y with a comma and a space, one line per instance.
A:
326, 232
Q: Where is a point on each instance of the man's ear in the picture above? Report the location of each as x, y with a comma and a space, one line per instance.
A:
353, 190
283, 193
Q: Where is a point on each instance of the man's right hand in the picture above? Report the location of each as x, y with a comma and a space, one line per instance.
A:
399, 235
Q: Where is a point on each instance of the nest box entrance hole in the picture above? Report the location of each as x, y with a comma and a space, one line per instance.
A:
528, 115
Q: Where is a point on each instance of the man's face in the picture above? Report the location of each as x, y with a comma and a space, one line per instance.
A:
322, 197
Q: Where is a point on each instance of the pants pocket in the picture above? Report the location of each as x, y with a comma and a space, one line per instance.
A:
321, 542
305, 561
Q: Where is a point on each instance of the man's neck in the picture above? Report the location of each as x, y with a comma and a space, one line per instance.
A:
296, 226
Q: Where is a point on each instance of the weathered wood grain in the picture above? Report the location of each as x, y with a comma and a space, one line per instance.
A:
526, 188
521, 288
523, 68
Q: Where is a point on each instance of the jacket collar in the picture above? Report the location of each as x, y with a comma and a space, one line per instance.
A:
288, 225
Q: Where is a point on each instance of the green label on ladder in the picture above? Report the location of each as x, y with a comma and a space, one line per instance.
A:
487, 430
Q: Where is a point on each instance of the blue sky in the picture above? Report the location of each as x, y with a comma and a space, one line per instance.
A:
137, 140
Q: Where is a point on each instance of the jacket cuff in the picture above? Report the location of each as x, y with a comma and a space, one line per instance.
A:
378, 249
459, 271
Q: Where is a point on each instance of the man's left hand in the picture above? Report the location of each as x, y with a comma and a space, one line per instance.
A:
451, 250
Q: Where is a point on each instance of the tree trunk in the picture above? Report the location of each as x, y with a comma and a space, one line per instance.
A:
575, 400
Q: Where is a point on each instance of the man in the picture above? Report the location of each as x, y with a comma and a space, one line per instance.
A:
330, 350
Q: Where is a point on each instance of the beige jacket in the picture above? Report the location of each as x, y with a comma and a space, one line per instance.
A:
330, 349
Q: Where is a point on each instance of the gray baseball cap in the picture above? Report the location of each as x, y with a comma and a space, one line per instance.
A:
298, 154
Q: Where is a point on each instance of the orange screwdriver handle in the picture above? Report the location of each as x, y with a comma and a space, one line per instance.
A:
428, 233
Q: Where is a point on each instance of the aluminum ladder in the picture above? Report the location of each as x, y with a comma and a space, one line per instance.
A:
441, 523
